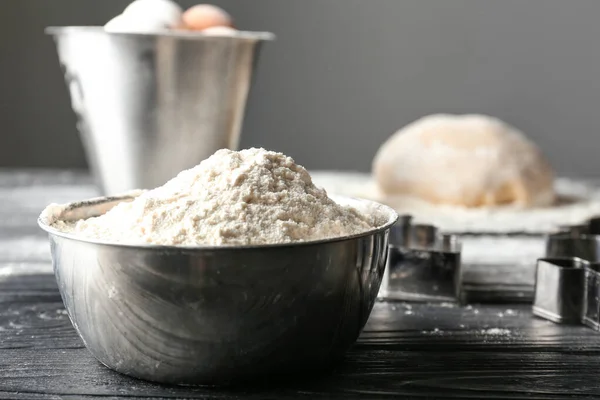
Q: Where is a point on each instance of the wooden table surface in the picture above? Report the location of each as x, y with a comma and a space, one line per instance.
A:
413, 350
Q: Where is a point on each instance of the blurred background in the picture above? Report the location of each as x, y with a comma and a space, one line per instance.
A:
345, 74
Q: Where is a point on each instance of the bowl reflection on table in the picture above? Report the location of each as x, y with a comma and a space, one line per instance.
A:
219, 315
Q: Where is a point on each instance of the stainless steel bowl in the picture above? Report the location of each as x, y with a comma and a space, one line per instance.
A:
151, 105
218, 315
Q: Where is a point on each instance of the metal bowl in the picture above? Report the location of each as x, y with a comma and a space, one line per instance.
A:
140, 99
218, 315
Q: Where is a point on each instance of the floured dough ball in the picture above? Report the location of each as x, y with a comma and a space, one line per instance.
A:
464, 160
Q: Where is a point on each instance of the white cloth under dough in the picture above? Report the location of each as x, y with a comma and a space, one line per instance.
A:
579, 201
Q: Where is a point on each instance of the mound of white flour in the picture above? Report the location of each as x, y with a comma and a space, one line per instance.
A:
252, 196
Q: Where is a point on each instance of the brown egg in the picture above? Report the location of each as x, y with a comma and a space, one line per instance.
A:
203, 16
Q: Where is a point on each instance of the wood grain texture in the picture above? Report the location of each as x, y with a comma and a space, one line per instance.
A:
436, 351
412, 350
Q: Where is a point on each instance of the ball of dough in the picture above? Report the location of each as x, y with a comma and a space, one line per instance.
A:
464, 160
203, 16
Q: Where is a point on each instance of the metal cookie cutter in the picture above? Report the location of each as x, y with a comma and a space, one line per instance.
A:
584, 246
568, 280
581, 241
423, 264
591, 298
590, 227
559, 289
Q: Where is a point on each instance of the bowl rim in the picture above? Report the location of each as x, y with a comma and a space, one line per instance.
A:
176, 34
389, 212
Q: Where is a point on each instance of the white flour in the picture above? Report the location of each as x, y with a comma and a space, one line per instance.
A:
496, 331
248, 197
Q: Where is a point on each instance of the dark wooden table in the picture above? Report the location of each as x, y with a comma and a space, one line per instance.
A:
411, 350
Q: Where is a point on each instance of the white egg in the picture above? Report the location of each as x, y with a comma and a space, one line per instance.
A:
117, 24
133, 24
166, 12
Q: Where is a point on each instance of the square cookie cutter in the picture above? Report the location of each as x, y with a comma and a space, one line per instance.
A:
591, 299
559, 289
423, 264
582, 240
567, 285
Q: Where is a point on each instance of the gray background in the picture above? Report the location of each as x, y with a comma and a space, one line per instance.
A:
345, 74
